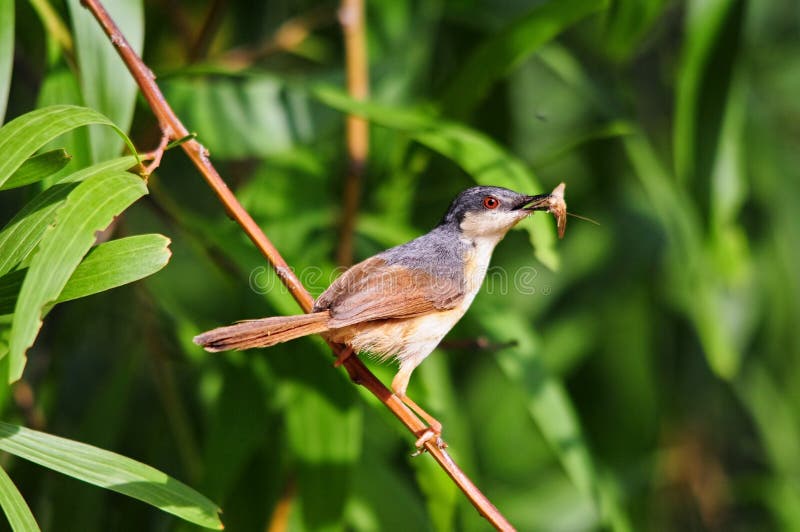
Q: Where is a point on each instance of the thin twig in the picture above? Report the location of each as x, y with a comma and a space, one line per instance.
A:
353, 21
199, 156
480, 343
289, 35
211, 25
179, 20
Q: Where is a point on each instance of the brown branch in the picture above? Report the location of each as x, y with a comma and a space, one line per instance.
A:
352, 19
172, 126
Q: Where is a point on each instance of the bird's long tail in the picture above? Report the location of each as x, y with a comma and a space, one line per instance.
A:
264, 332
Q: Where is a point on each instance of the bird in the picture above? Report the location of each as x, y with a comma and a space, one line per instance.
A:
400, 303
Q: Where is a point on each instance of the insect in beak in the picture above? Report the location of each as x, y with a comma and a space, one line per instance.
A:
553, 203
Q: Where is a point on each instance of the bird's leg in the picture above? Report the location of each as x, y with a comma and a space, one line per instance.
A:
434, 430
434, 425
342, 356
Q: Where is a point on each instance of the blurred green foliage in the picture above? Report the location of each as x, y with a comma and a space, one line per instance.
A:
641, 374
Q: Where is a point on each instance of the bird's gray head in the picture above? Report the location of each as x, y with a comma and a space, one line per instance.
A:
489, 212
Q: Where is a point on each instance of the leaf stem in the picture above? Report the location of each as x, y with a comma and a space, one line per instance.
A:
174, 128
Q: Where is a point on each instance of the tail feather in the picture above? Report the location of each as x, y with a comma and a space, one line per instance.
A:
264, 332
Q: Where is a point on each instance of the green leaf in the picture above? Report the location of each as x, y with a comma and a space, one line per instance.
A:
324, 434
37, 168
628, 23
90, 207
246, 116
9, 291
60, 87
116, 263
486, 161
549, 403
14, 506
107, 266
23, 136
498, 55
552, 410
111, 471
709, 53
6, 52
20, 236
105, 81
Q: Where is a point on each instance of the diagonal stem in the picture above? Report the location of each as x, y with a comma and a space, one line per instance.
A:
198, 154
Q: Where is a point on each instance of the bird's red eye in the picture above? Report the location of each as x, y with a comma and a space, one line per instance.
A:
490, 202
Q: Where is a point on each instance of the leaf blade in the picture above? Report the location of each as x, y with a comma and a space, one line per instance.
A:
90, 207
21, 234
117, 263
14, 506
106, 84
107, 266
37, 168
23, 136
111, 471
502, 52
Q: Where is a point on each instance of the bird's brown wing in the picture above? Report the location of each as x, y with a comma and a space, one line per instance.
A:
373, 290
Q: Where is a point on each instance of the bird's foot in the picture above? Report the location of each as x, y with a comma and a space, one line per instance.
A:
434, 429
343, 355
428, 435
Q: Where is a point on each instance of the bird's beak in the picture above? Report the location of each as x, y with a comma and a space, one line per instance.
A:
540, 202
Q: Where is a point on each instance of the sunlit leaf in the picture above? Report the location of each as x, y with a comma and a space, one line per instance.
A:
246, 116
324, 432
23, 136
111, 471
105, 81
60, 86
14, 506
116, 263
90, 207
21, 234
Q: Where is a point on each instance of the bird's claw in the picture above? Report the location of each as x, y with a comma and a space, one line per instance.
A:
426, 436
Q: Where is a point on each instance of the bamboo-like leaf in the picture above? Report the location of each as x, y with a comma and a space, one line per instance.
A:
552, 410
708, 56
486, 161
60, 86
323, 433
14, 506
6, 51
116, 263
106, 84
111, 471
107, 266
252, 116
628, 23
23, 136
90, 207
9, 291
501, 53
20, 235
549, 403
37, 168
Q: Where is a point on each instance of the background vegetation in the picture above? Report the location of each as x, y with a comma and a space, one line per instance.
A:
650, 378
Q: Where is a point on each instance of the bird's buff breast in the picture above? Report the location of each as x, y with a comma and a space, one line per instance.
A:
416, 337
